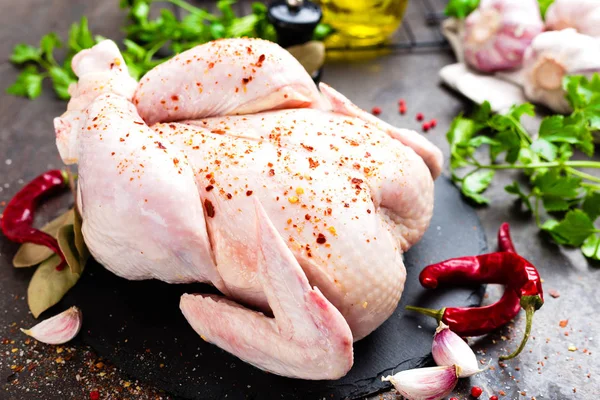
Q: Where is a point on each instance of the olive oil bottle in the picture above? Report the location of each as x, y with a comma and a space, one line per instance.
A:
361, 23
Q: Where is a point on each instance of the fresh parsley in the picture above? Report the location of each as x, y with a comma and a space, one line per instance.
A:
560, 190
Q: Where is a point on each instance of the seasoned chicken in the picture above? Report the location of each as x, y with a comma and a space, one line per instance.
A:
296, 205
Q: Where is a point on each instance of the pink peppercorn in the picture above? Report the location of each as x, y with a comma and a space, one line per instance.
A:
433, 123
376, 111
420, 117
426, 126
94, 395
476, 391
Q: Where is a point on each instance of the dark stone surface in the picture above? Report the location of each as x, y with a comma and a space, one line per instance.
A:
546, 370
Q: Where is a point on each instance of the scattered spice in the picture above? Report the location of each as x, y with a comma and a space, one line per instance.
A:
321, 239
563, 323
210, 209
293, 199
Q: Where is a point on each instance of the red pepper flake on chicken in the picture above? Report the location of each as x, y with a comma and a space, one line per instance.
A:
272, 198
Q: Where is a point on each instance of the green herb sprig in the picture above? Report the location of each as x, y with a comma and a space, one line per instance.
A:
40, 62
559, 184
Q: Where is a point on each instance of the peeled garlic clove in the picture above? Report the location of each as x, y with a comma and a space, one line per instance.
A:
432, 383
583, 15
552, 56
498, 33
59, 329
449, 349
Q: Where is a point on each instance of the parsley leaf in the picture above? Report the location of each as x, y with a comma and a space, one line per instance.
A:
573, 230
591, 247
23, 53
476, 183
591, 205
460, 8
28, 83
544, 4
61, 80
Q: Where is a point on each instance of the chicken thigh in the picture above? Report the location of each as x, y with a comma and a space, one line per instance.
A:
298, 210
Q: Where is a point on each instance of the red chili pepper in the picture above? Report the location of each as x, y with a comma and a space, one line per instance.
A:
505, 242
18, 215
376, 111
523, 288
476, 391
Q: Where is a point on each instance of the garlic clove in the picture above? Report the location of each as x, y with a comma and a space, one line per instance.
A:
432, 383
497, 34
450, 349
59, 329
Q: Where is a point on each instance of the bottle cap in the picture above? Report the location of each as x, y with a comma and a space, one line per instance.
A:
294, 20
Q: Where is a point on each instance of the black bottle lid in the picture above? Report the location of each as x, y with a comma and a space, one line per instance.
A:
294, 20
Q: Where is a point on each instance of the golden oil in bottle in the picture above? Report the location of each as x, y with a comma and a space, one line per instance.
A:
362, 22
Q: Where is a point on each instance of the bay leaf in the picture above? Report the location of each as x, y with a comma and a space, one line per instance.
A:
30, 254
66, 242
48, 285
82, 249
310, 54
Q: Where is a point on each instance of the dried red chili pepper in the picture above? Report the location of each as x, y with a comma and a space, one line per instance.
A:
18, 215
523, 288
505, 242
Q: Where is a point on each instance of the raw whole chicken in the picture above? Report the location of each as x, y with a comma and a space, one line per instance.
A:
552, 56
296, 205
583, 15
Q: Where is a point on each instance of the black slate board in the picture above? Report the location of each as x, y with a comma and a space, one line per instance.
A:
138, 325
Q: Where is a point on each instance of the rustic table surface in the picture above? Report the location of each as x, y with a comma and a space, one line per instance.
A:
546, 370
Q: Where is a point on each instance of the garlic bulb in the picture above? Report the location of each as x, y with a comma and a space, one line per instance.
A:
449, 349
59, 329
553, 55
498, 33
583, 15
432, 383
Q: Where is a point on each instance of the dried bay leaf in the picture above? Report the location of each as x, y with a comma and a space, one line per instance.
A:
30, 254
48, 285
310, 54
66, 242
82, 249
